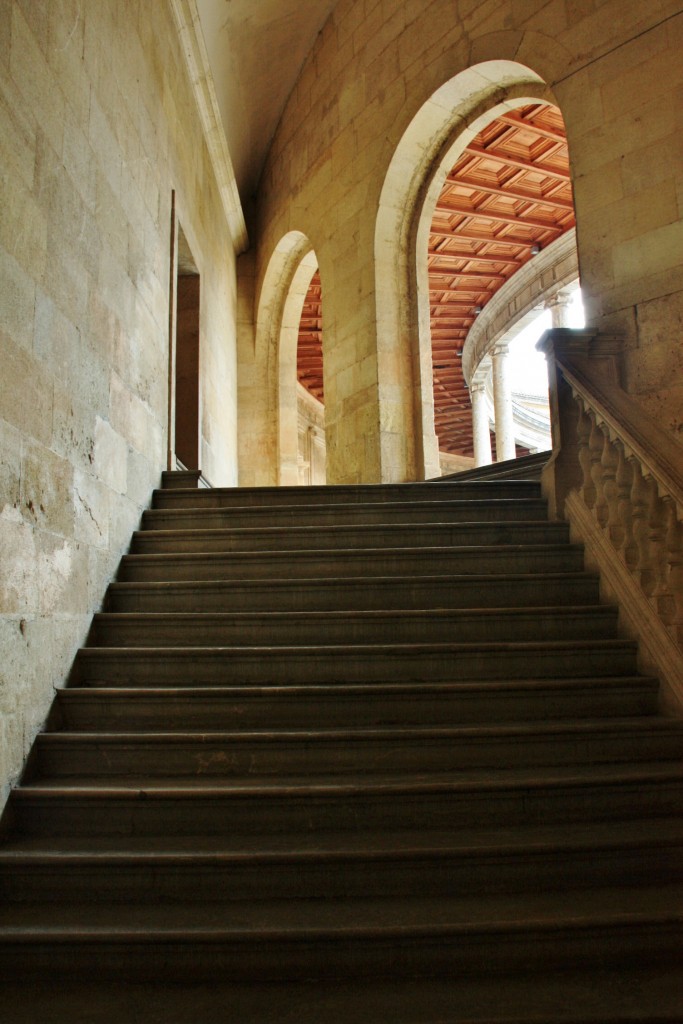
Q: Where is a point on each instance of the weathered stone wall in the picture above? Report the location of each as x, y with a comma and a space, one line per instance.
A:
97, 125
311, 438
614, 68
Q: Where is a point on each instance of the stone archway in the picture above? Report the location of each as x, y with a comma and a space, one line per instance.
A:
431, 144
291, 267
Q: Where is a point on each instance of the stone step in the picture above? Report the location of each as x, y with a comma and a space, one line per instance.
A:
331, 939
329, 751
588, 994
173, 807
310, 498
284, 666
183, 478
526, 467
371, 593
377, 515
531, 860
439, 533
411, 626
298, 707
386, 561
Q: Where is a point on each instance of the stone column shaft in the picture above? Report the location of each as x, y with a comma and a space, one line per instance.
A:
502, 402
480, 425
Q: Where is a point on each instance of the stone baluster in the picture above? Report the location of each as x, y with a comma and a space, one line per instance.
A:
606, 511
583, 432
625, 473
641, 554
622, 491
596, 447
674, 556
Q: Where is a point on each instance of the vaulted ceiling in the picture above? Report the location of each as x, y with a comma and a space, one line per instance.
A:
256, 49
508, 193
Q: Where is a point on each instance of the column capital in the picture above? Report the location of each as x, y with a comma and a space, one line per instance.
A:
559, 304
501, 348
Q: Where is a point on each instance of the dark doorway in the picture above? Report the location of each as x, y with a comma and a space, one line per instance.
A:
187, 392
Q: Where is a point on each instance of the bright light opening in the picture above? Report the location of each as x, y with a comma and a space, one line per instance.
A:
527, 369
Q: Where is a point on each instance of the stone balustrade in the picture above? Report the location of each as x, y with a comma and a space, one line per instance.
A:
616, 476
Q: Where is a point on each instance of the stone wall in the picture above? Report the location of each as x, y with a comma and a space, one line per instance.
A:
98, 124
311, 438
613, 67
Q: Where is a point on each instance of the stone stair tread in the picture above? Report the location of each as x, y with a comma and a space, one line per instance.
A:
586, 995
389, 843
432, 551
455, 579
339, 690
189, 651
512, 730
318, 495
347, 533
326, 918
303, 510
388, 784
593, 610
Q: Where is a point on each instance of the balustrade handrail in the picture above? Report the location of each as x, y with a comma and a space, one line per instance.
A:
658, 453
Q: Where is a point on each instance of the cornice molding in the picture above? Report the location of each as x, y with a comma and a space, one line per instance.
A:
192, 43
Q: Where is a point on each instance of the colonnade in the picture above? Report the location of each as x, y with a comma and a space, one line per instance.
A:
504, 427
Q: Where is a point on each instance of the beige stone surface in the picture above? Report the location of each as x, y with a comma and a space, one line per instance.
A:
98, 124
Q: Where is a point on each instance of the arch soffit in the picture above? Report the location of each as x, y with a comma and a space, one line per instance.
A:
292, 262
429, 147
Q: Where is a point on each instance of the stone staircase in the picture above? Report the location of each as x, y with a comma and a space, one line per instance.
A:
359, 754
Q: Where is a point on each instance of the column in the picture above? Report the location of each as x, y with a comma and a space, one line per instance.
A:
480, 424
502, 403
558, 305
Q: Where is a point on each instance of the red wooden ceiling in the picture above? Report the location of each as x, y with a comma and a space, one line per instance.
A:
508, 191
309, 362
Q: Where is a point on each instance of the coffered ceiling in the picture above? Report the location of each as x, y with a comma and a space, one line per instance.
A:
508, 196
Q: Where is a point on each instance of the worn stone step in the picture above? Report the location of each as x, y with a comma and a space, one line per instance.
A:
373, 516
313, 497
366, 663
355, 865
433, 625
422, 703
278, 940
205, 537
526, 467
342, 751
184, 807
588, 994
385, 561
372, 593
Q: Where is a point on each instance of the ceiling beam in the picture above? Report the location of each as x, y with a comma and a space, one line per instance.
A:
501, 157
